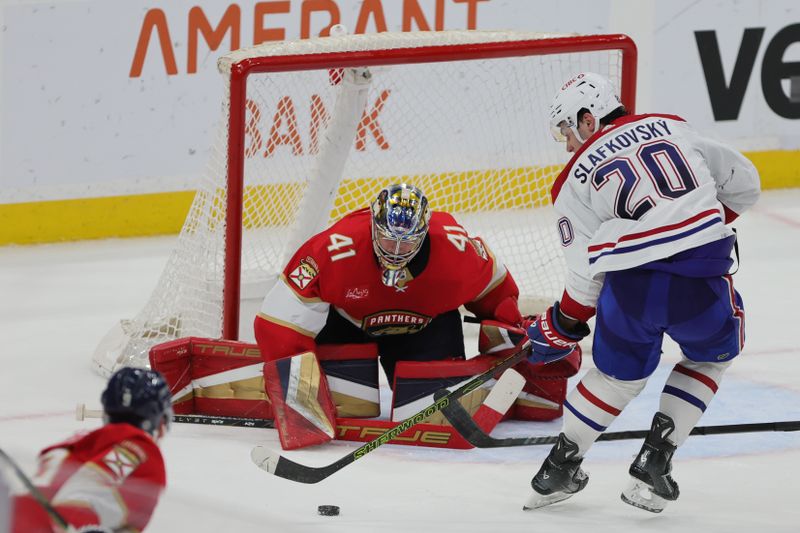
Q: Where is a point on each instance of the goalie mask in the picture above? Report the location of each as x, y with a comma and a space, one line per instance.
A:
585, 91
400, 218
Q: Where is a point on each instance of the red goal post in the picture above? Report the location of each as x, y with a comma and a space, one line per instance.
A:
460, 113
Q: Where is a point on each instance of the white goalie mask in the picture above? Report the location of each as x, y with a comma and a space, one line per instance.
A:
584, 91
400, 218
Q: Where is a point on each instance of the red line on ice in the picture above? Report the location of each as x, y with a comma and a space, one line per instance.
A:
31, 416
780, 218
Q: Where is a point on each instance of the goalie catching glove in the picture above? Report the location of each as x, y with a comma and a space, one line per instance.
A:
550, 340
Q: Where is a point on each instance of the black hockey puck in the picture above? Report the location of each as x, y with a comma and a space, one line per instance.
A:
328, 510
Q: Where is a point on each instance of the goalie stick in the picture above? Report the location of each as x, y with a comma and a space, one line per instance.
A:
278, 465
466, 426
82, 412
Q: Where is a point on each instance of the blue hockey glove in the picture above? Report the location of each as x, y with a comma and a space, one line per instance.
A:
549, 340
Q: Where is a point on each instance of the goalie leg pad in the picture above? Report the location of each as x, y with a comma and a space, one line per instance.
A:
416, 381
213, 377
304, 411
173, 360
540, 399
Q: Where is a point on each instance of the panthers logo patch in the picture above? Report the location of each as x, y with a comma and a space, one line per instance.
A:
394, 323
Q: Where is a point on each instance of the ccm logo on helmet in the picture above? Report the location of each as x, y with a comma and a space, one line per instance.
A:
573, 80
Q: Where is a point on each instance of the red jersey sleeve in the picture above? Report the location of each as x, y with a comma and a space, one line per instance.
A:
121, 483
500, 303
113, 477
491, 292
293, 311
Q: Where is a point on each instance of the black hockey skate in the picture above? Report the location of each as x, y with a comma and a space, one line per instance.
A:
651, 486
560, 476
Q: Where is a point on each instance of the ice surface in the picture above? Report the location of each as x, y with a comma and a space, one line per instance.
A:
57, 301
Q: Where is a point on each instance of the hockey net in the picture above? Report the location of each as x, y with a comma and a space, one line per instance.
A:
312, 129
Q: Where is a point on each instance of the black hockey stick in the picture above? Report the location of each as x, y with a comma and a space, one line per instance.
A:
276, 464
466, 426
35, 493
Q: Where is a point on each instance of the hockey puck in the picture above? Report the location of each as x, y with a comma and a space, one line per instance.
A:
328, 510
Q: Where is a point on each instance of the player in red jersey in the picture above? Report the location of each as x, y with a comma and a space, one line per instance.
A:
109, 479
394, 274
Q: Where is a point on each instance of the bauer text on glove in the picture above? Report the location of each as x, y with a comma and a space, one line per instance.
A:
550, 339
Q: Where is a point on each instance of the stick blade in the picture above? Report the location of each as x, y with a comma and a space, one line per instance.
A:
276, 464
264, 458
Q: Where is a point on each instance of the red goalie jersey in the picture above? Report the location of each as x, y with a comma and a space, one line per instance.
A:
111, 477
338, 268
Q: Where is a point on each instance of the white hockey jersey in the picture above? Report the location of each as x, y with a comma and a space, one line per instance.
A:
641, 189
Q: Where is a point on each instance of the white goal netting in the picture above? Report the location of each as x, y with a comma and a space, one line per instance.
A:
326, 123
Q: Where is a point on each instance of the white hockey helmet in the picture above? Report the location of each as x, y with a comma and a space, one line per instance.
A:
400, 217
586, 90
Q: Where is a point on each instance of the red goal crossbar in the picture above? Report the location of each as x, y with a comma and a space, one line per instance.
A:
241, 69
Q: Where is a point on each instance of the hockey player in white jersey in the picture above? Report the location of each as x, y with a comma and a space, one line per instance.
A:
643, 208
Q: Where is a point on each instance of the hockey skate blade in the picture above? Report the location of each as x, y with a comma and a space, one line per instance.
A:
640, 494
264, 458
537, 501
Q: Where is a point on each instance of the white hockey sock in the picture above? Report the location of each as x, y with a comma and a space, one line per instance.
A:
688, 391
593, 404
